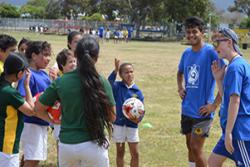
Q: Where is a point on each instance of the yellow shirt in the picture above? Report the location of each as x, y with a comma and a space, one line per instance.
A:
1, 67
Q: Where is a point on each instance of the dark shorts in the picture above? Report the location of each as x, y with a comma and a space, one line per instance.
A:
196, 126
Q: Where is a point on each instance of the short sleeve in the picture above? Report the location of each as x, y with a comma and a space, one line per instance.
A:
235, 80
108, 90
50, 95
181, 64
15, 99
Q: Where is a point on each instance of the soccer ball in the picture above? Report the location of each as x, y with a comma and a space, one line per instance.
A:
133, 108
54, 111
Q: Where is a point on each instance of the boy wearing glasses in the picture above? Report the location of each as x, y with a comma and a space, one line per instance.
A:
234, 87
196, 89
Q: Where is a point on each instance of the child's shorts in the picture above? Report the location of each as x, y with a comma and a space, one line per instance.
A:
9, 160
241, 154
56, 131
34, 142
122, 134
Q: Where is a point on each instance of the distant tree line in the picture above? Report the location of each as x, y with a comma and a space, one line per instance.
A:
137, 12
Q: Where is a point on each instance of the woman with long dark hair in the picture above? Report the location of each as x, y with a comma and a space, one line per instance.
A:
87, 109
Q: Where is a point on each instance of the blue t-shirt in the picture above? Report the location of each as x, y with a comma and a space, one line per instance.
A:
39, 81
237, 81
121, 93
199, 81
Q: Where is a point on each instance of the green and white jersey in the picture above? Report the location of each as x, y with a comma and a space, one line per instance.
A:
11, 120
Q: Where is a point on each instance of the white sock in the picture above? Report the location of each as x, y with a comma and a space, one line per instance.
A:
191, 164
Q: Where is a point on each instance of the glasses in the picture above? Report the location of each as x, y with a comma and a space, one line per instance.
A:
216, 42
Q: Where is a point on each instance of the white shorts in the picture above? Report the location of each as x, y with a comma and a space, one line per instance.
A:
56, 131
34, 142
86, 154
9, 160
122, 134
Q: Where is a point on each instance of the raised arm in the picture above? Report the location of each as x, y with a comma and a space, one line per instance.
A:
112, 76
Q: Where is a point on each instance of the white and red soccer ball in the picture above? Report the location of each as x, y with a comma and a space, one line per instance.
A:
133, 108
54, 111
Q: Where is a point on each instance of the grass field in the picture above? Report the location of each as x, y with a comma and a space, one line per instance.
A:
155, 72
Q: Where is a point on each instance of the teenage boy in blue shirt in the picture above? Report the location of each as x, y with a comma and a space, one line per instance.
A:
198, 103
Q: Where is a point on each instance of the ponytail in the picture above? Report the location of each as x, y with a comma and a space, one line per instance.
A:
96, 104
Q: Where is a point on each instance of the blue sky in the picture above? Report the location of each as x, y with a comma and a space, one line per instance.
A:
223, 4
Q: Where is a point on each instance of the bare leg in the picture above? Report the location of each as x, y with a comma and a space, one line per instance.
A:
134, 151
120, 151
216, 160
196, 144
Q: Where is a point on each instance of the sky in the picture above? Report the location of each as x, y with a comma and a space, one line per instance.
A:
221, 4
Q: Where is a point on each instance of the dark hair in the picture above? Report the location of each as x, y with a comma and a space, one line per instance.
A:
36, 47
14, 63
62, 57
97, 107
71, 36
194, 21
122, 67
6, 42
22, 41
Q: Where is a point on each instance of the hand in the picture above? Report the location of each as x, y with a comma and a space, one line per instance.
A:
134, 119
218, 72
53, 71
207, 109
27, 78
117, 64
182, 93
229, 143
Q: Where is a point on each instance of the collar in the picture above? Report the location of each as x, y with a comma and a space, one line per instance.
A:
129, 87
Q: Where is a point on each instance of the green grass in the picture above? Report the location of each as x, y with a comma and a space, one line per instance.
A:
155, 72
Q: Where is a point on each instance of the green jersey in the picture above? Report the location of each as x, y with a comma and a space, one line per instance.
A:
11, 120
68, 89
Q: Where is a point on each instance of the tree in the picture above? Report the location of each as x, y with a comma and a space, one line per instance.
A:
245, 23
7, 10
36, 8
178, 10
53, 10
242, 6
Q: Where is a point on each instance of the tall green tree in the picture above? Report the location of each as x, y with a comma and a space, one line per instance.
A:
242, 6
7, 10
36, 8
53, 10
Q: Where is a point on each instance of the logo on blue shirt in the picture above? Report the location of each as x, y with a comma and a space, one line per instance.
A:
193, 76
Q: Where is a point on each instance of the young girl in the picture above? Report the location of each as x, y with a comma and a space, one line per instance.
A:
125, 129
7, 45
87, 109
22, 45
73, 38
12, 108
234, 86
34, 136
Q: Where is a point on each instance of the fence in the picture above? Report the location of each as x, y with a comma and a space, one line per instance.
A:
169, 31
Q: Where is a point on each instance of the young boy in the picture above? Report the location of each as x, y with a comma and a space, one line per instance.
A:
7, 45
197, 95
34, 136
12, 108
66, 62
234, 86
125, 129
